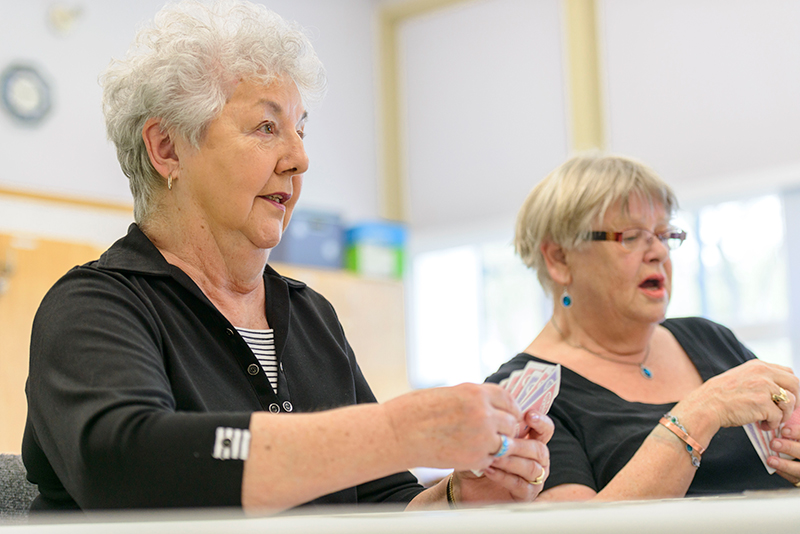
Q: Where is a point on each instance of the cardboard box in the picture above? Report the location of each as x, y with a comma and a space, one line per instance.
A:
312, 238
376, 248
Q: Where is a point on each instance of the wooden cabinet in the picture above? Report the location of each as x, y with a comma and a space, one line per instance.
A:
33, 267
371, 312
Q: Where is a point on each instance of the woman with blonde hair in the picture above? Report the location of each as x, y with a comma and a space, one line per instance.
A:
648, 407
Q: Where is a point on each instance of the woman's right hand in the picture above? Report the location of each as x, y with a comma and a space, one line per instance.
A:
454, 427
744, 393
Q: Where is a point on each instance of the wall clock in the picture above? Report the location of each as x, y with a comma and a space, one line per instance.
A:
25, 93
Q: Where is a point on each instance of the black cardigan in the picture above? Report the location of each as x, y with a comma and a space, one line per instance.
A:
133, 369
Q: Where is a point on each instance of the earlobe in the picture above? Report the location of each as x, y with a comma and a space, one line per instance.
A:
556, 261
160, 147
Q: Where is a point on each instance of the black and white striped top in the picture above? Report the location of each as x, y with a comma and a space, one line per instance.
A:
262, 343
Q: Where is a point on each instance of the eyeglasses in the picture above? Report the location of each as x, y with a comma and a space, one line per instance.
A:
640, 239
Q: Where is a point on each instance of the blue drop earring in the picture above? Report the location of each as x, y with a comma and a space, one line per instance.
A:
566, 300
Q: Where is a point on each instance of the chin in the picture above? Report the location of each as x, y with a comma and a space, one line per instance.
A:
659, 316
267, 240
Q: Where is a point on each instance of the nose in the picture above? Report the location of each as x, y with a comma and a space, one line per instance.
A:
294, 159
657, 250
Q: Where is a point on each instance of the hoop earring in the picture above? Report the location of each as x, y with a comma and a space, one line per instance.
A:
566, 299
169, 182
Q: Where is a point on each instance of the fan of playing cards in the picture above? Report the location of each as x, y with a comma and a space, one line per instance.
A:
534, 387
762, 438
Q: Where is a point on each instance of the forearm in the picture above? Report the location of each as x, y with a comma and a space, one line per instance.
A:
296, 458
662, 467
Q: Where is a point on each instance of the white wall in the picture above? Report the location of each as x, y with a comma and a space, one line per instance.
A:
706, 91
68, 154
485, 114
703, 90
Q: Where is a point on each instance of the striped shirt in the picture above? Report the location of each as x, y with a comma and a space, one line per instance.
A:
262, 343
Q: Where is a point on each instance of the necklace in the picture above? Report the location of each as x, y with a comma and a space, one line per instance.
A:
643, 369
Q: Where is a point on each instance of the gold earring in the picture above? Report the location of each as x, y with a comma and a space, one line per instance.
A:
169, 182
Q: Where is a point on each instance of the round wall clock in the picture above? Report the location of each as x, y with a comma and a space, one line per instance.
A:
25, 94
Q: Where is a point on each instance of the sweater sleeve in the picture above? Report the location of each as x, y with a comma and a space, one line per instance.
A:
102, 410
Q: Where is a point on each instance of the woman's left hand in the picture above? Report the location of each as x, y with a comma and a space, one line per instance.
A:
511, 477
788, 444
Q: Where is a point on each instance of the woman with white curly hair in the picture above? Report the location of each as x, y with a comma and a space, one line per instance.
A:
179, 369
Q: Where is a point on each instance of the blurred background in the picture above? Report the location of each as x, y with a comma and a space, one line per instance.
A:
441, 115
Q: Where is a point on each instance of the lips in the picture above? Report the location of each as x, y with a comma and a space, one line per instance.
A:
280, 198
653, 282
654, 287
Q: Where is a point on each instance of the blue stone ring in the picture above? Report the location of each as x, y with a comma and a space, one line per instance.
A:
503, 447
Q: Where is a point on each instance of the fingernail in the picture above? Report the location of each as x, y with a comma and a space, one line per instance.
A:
490, 469
773, 462
776, 445
786, 432
534, 416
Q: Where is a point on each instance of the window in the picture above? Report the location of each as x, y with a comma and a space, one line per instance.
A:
733, 270
474, 307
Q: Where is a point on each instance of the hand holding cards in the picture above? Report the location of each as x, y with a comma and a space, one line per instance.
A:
533, 388
761, 440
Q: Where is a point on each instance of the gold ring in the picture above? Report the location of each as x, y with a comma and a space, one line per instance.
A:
540, 479
797, 484
780, 398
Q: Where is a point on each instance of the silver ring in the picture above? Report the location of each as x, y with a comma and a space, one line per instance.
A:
503, 446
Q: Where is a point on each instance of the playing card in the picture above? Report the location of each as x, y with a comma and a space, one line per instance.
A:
512, 380
531, 381
754, 433
527, 372
551, 377
542, 398
761, 440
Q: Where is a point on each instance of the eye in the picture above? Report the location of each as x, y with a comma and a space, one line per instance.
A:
267, 128
630, 237
301, 134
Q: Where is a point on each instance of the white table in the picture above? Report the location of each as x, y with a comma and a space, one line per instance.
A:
775, 511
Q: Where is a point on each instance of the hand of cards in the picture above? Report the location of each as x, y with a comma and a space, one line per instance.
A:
762, 438
533, 388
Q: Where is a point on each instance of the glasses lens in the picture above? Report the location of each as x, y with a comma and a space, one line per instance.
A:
633, 239
674, 239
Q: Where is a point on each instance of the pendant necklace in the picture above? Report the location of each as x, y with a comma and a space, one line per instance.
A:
643, 369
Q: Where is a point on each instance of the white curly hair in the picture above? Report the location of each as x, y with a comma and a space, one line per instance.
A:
183, 67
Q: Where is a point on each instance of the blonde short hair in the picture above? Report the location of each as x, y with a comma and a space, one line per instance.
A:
563, 207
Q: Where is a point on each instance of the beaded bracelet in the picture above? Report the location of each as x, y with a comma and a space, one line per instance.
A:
670, 422
451, 498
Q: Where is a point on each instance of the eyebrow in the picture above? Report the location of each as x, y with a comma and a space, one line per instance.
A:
278, 110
